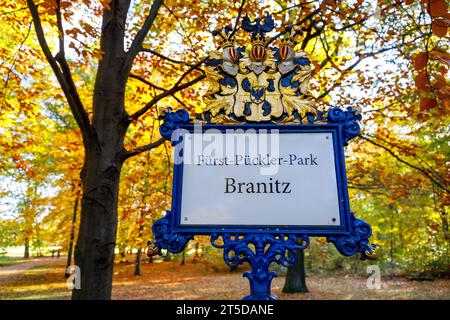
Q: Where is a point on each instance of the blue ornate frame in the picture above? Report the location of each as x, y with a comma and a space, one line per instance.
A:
260, 246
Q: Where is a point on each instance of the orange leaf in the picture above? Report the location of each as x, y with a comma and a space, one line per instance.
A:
441, 55
440, 81
439, 30
446, 104
421, 80
437, 8
420, 60
427, 104
443, 20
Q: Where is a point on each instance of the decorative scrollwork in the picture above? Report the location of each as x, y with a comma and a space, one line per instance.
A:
357, 241
165, 238
267, 249
349, 120
172, 120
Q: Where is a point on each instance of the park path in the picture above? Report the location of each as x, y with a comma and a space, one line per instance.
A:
12, 272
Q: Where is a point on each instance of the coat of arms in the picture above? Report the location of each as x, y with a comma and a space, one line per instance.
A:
258, 83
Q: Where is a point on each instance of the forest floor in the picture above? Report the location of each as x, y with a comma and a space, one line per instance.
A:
44, 279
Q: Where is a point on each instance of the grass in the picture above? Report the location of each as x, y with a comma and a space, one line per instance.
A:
9, 261
169, 280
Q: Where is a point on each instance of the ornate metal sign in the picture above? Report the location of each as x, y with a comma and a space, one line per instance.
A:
260, 88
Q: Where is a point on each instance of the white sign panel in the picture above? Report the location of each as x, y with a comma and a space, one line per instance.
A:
291, 183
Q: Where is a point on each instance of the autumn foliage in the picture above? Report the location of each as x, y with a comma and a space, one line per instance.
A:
389, 58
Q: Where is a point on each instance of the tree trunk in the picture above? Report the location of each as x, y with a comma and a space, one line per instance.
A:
137, 265
183, 258
196, 257
26, 253
94, 252
37, 243
72, 236
295, 278
103, 137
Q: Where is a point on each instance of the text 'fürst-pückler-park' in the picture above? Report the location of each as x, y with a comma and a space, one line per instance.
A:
270, 185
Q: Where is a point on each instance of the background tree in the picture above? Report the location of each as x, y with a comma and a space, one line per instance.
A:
296, 275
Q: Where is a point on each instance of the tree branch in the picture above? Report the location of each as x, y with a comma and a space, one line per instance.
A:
61, 58
12, 11
134, 76
16, 55
141, 149
309, 36
62, 74
192, 68
362, 56
60, 28
136, 45
329, 57
163, 56
419, 159
163, 95
423, 171
339, 81
308, 17
175, 88
238, 17
185, 33
350, 25
150, 84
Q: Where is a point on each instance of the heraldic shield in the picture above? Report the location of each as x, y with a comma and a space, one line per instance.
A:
258, 83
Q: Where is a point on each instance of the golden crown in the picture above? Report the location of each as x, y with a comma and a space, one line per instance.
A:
288, 42
227, 43
258, 40
227, 39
